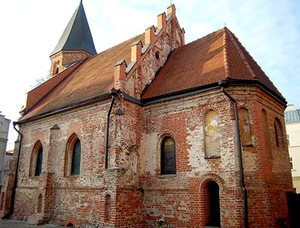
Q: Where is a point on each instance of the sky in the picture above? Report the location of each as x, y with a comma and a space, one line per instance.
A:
268, 29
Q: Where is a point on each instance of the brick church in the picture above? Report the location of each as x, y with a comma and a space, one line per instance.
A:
151, 132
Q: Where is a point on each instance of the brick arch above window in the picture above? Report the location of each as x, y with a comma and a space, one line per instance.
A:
209, 177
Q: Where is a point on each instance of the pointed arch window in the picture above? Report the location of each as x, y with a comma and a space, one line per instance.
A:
36, 161
73, 156
278, 133
39, 162
75, 167
168, 162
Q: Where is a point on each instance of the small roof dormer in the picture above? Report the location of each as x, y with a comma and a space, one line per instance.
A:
76, 42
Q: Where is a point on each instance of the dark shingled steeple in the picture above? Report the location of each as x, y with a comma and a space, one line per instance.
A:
77, 34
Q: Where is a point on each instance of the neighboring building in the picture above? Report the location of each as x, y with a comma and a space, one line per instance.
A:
146, 131
4, 126
292, 124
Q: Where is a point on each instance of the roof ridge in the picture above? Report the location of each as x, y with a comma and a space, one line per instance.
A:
225, 51
240, 52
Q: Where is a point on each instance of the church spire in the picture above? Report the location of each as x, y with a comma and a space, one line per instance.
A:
76, 38
77, 34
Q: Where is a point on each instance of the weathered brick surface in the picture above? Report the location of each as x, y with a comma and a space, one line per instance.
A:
267, 179
140, 195
65, 57
132, 192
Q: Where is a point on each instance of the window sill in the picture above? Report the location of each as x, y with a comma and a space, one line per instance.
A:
167, 175
72, 177
35, 177
212, 157
248, 145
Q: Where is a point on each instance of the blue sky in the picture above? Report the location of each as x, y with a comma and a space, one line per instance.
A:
269, 30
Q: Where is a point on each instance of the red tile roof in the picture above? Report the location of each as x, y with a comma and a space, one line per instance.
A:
90, 79
217, 56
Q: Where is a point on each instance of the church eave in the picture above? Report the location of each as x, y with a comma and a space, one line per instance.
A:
66, 108
212, 86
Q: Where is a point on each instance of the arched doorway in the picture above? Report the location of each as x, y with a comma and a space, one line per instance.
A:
213, 204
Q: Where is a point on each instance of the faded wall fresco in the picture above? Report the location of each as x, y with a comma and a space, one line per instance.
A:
245, 131
211, 132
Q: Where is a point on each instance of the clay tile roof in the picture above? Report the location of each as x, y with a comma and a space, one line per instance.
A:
217, 56
86, 80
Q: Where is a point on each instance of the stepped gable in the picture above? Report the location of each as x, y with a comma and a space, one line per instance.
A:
77, 34
93, 77
217, 56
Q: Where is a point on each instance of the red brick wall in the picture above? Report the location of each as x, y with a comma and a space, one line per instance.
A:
267, 179
139, 194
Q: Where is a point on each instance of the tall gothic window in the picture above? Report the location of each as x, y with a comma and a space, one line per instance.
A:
75, 168
36, 161
73, 156
168, 162
39, 162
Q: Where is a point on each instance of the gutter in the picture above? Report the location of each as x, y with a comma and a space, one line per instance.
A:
113, 93
13, 194
223, 84
212, 86
66, 107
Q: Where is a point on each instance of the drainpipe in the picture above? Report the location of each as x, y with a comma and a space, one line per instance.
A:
223, 84
13, 194
113, 93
